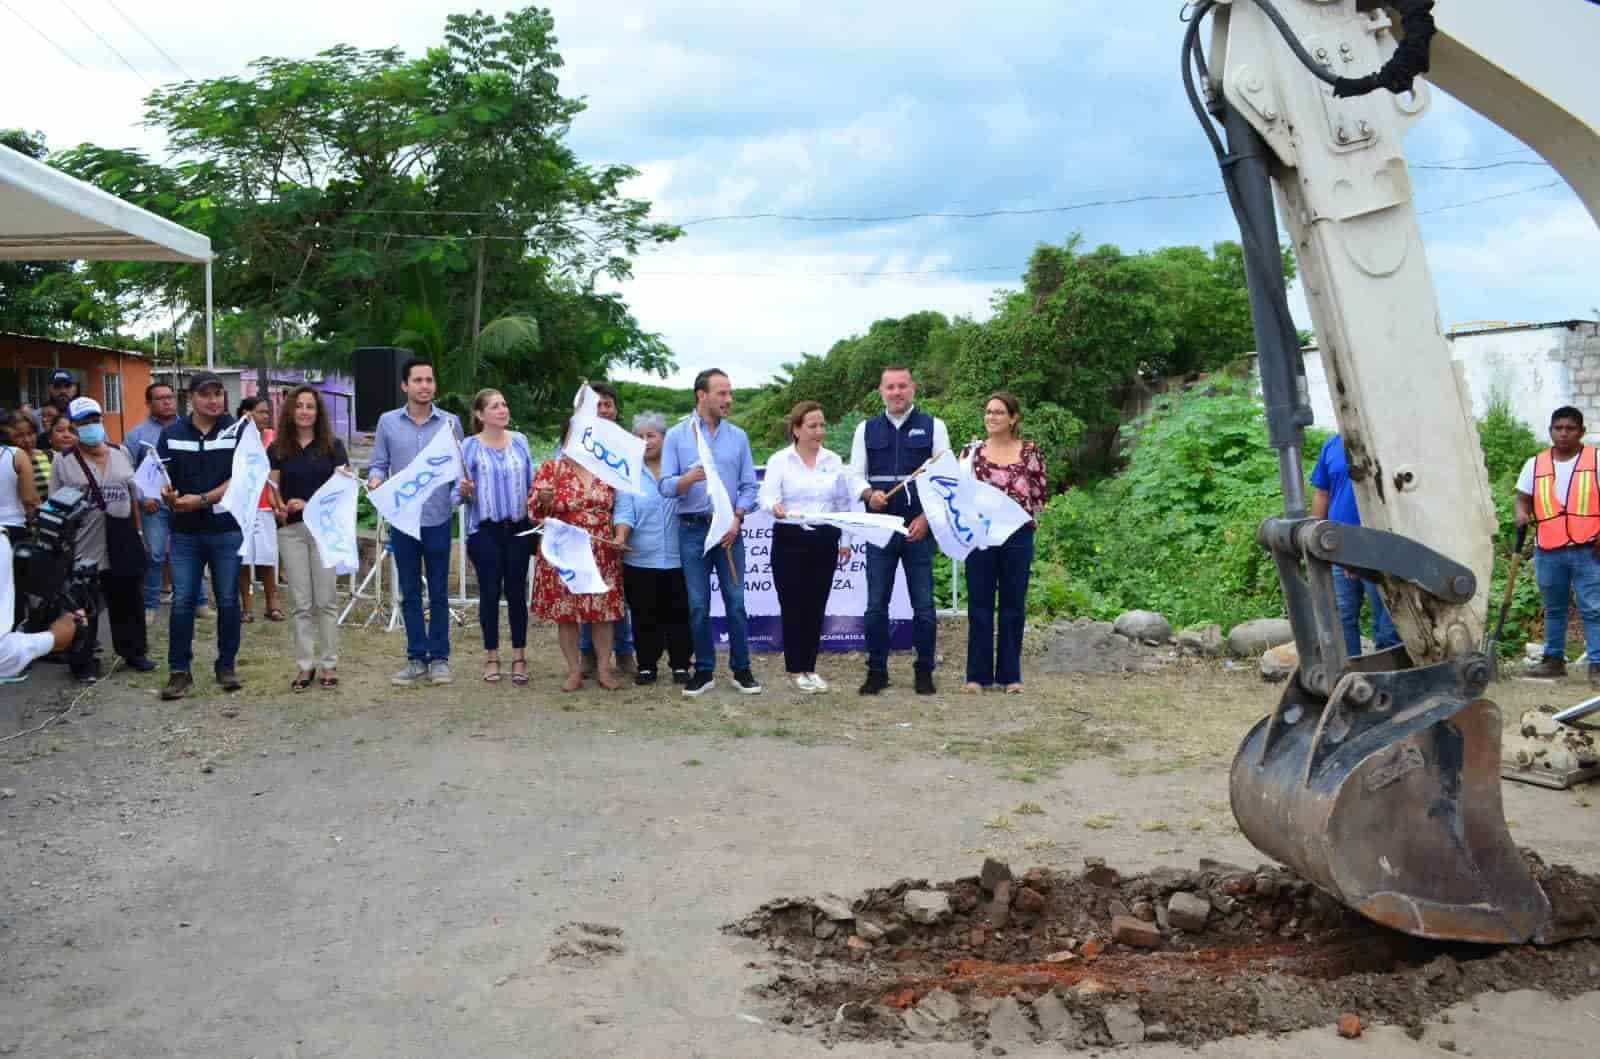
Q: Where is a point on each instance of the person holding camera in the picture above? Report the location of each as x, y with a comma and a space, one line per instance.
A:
19, 650
198, 453
109, 537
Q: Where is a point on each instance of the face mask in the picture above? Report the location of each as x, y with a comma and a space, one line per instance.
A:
92, 434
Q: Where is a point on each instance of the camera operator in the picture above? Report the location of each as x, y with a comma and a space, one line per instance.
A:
19, 649
109, 536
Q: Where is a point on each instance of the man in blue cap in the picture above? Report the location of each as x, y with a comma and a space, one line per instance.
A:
1335, 500
63, 388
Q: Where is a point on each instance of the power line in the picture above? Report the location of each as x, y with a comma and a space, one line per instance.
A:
109, 46
149, 40
1492, 198
45, 37
949, 215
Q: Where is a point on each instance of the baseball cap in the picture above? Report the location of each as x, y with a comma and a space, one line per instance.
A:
201, 379
61, 377
82, 408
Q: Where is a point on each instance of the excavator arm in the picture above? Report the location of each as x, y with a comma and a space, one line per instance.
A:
1378, 777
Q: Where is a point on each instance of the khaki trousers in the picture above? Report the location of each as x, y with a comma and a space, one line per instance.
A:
313, 596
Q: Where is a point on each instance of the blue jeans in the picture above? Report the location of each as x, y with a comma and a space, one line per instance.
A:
697, 569
430, 641
621, 633
1351, 590
881, 562
1004, 570
192, 553
1563, 572
157, 550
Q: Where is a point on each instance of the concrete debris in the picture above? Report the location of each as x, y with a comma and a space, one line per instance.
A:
1055, 1021
994, 872
941, 1005
1136, 932
1188, 912
833, 906
1123, 1023
927, 906
1009, 1024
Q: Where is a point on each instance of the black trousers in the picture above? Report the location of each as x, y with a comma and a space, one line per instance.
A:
803, 565
659, 603
122, 599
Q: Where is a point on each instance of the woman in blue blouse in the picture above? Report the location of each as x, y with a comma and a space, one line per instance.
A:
652, 576
496, 481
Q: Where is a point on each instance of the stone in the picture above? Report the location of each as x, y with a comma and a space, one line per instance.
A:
1144, 910
868, 931
824, 929
1028, 904
856, 943
1118, 907
1123, 1023
1085, 646
834, 907
1186, 911
994, 872
895, 933
1009, 1024
1349, 1025
927, 906
998, 911
1143, 625
1061, 957
1157, 1031
1135, 932
1249, 639
1055, 1021
920, 1025
1204, 641
1089, 988
1279, 663
8, 792
1091, 948
1099, 875
1038, 879
940, 1004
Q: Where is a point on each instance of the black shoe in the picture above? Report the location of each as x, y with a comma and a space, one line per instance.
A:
140, 664
680, 676
698, 685
925, 682
91, 675
876, 681
1594, 674
645, 676
178, 685
229, 680
1549, 666
746, 682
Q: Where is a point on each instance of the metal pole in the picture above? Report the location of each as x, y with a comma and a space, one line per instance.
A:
211, 355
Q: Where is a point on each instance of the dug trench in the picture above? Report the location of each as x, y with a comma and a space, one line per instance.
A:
1097, 958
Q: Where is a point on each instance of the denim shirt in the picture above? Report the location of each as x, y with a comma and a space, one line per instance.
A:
134, 442
654, 537
730, 448
400, 440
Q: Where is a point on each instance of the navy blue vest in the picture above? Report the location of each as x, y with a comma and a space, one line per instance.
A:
893, 454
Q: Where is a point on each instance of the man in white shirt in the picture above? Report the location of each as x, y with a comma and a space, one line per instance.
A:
19, 649
887, 450
1559, 492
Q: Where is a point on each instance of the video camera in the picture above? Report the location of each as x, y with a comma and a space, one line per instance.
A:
51, 579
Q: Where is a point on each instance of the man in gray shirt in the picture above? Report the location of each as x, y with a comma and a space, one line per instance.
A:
162, 402
402, 435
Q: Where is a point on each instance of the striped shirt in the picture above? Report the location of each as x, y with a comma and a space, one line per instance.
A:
501, 480
41, 472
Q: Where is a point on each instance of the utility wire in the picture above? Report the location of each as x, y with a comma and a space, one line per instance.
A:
45, 37
149, 40
109, 46
1492, 198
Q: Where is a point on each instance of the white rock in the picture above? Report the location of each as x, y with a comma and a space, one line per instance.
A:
927, 906
1143, 625
1252, 637
1123, 1023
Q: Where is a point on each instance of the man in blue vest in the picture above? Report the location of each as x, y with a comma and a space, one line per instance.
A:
1335, 499
887, 449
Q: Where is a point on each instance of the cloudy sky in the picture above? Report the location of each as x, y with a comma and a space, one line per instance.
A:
843, 110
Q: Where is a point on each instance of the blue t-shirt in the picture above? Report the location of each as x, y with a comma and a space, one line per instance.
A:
1331, 474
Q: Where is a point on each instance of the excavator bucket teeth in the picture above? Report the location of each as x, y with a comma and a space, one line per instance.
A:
1395, 809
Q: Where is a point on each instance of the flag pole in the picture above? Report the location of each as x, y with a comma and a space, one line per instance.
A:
914, 474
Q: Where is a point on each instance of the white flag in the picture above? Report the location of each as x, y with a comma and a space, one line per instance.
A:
330, 516
587, 404
1000, 515
570, 552
242, 499
875, 529
949, 502
608, 452
151, 477
721, 506
399, 500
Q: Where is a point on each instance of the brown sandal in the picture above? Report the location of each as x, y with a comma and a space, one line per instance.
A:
329, 680
274, 614
302, 680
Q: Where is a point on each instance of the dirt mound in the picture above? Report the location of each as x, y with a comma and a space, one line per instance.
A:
1097, 958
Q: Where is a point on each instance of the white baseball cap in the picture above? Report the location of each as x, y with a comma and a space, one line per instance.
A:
83, 408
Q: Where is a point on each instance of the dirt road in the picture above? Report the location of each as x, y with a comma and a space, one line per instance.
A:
381, 874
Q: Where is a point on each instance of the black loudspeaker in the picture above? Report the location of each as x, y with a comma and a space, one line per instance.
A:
377, 371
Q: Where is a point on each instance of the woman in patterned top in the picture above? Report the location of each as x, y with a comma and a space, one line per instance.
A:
497, 478
1016, 467
24, 437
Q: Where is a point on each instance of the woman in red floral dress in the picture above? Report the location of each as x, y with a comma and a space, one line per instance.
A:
563, 490
1015, 467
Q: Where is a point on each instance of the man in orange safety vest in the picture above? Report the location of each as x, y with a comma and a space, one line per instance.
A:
1558, 492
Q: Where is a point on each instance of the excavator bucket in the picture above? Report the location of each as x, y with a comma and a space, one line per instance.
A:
1393, 805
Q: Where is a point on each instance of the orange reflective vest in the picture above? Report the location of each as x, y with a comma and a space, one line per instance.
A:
1575, 518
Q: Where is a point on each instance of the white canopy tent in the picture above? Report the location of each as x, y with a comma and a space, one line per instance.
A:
46, 215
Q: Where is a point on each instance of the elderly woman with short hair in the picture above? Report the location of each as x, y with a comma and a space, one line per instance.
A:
653, 570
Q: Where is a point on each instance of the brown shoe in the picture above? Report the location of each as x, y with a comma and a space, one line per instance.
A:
178, 685
229, 680
1549, 666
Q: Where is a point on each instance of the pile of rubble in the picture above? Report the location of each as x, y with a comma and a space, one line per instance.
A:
1096, 958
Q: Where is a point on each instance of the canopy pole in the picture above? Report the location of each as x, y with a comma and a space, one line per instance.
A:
211, 358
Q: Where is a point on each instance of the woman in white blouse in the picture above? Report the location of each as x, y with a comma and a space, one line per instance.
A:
805, 479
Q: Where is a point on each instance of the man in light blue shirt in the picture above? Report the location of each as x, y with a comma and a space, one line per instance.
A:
683, 477
162, 402
402, 435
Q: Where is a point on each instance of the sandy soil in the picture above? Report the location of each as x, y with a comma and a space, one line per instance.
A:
372, 873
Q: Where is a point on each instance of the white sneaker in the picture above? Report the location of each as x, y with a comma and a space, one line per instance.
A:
817, 683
